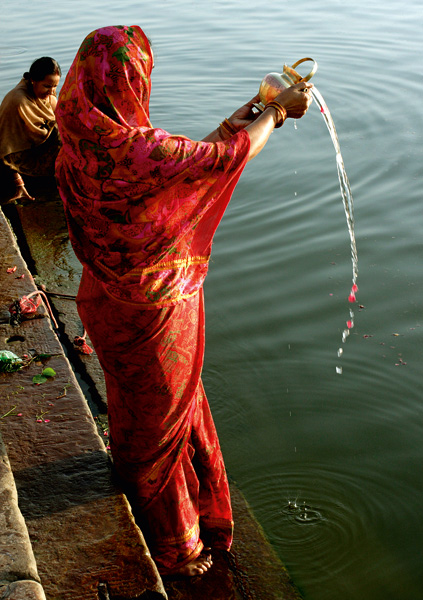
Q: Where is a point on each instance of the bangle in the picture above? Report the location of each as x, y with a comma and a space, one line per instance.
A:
224, 133
281, 110
230, 126
227, 127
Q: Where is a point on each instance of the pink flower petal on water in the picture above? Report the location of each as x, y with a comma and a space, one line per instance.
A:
349, 324
351, 297
354, 288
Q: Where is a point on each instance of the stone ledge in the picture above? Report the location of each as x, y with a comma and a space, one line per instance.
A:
17, 559
22, 590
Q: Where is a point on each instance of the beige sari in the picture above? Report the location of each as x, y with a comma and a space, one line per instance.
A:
29, 141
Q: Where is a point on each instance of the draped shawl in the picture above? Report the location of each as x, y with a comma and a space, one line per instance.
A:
142, 204
25, 121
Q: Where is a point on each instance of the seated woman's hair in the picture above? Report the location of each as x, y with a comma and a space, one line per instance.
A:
42, 67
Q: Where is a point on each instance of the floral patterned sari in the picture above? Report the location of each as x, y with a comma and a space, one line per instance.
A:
142, 207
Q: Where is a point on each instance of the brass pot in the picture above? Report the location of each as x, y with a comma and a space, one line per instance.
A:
274, 83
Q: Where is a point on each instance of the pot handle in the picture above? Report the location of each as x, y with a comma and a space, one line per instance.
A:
312, 72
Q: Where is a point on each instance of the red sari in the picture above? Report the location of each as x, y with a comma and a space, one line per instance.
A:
142, 207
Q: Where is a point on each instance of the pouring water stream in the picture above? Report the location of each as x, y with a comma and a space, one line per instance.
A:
270, 87
348, 207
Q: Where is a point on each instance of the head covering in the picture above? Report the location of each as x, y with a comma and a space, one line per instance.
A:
25, 121
142, 205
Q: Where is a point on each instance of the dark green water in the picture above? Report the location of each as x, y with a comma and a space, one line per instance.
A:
348, 447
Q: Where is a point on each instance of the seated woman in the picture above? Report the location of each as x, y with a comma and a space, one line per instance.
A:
29, 140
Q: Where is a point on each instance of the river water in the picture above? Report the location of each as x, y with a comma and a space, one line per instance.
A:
331, 463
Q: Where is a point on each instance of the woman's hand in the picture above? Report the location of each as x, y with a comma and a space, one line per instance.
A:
296, 99
244, 116
240, 119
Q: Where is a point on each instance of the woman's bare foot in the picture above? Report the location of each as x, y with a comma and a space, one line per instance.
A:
21, 193
198, 566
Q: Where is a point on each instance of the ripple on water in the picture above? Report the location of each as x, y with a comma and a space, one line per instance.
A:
6, 51
325, 516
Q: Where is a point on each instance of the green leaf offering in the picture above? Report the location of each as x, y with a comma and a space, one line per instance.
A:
48, 372
39, 379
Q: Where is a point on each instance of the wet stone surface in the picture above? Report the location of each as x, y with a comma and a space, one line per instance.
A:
57, 270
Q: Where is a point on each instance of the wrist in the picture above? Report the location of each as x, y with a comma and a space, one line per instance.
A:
279, 111
227, 129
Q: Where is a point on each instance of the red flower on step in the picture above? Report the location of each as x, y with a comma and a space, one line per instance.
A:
82, 345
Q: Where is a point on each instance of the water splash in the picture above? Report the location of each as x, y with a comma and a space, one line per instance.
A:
347, 199
303, 513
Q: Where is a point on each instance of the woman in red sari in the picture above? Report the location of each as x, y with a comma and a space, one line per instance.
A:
142, 207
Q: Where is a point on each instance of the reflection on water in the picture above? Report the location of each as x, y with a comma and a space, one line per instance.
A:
346, 449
